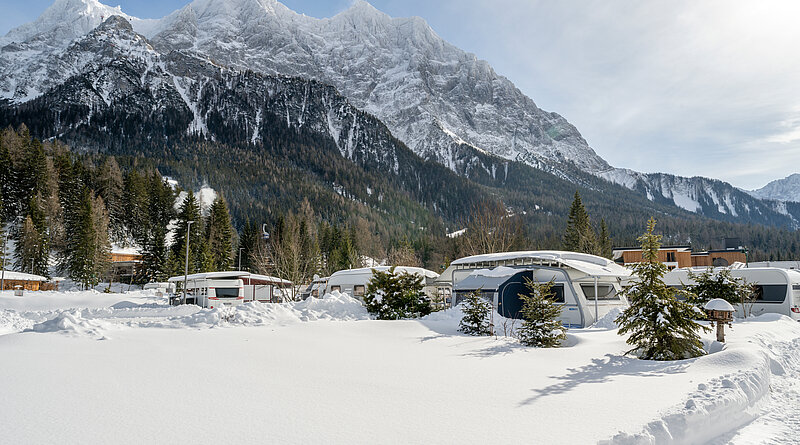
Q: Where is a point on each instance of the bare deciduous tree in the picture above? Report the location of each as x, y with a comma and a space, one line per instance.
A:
492, 228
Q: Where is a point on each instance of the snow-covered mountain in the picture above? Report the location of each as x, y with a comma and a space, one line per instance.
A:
432, 95
442, 102
786, 189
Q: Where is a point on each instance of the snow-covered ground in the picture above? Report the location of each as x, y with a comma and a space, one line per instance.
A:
89, 367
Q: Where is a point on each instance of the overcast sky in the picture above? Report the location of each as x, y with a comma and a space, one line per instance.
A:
692, 88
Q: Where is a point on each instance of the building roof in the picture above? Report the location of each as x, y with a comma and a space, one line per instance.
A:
19, 276
589, 264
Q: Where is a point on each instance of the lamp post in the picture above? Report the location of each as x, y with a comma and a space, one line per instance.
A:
186, 266
240, 258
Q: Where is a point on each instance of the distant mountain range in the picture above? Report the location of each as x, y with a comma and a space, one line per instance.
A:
224, 70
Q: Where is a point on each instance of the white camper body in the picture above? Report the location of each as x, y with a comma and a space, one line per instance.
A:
354, 281
316, 289
501, 277
218, 289
777, 290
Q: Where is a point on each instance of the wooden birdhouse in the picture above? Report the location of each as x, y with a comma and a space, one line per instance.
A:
719, 312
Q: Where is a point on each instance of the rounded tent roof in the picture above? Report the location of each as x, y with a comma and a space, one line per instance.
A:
590, 264
399, 269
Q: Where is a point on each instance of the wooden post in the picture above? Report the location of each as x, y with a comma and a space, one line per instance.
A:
720, 331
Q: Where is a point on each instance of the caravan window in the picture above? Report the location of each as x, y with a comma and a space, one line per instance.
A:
605, 292
336, 288
227, 292
358, 290
770, 293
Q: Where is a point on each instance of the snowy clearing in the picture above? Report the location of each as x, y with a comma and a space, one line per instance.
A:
88, 367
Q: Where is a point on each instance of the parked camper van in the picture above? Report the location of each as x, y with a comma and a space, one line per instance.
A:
217, 289
777, 290
577, 278
354, 281
209, 290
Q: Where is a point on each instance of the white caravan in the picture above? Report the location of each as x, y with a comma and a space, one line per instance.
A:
577, 277
218, 289
777, 290
161, 289
354, 281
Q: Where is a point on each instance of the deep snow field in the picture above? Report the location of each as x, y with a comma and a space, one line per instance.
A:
89, 367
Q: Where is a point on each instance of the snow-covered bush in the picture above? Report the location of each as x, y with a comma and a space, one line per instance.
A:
477, 315
391, 296
541, 326
661, 327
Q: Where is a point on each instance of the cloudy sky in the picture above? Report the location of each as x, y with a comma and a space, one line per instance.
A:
692, 88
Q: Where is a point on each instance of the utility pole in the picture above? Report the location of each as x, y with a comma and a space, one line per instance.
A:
240, 258
3, 279
186, 267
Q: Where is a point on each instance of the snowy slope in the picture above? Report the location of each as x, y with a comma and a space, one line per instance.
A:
786, 189
709, 197
319, 371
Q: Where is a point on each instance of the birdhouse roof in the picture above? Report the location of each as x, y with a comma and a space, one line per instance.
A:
718, 304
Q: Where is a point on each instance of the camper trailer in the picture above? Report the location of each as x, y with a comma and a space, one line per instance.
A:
577, 278
354, 281
776, 290
316, 289
217, 289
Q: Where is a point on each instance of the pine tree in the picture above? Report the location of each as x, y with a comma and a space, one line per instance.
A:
110, 187
219, 236
198, 254
477, 315
159, 213
247, 245
604, 244
579, 236
541, 326
392, 296
660, 326
88, 249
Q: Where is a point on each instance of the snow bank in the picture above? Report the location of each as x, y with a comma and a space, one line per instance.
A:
748, 364
94, 322
607, 320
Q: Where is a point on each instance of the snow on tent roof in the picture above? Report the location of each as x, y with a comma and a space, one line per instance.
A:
589, 264
398, 269
19, 276
486, 279
228, 275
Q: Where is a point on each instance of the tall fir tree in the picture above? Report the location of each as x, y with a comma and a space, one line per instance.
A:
247, 246
541, 326
579, 236
160, 212
87, 250
199, 256
110, 186
219, 235
660, 326
604, 243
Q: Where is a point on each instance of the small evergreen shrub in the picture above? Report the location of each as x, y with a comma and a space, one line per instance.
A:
709, 285
541, 326
477, 315
391, 296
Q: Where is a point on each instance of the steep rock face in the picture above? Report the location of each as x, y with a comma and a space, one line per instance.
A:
786, 189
